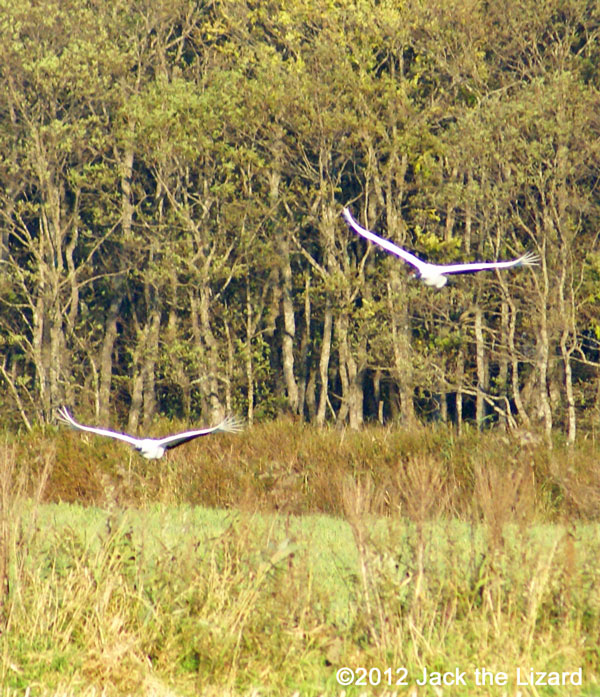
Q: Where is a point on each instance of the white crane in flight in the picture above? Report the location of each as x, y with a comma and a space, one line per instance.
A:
153, 448
435, 275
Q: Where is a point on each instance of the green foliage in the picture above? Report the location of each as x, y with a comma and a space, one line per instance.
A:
155, 155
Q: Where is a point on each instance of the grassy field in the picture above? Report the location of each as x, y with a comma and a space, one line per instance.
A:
392, 561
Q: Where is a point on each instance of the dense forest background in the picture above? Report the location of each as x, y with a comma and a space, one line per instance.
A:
172, 175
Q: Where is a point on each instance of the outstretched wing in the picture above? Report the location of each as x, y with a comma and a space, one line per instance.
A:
528, 259
65, 417
386, 244
230, 424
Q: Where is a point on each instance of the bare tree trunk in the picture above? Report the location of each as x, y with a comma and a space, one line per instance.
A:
400, 326
230, 370
289, 326
482, 369
443, 407
513, 356
110, 326
149, 366
106, 364
566, 349
341, 339
48, 339
566, 239
543, 353
304, 395
377, 394
143, 366
285, 268
137, 394
460, 372
350, 376
451, 208
324, 363
212, 349
310, 397
356, 393
205, 339
249, 364
503, 360
468, 218
394, 183
571, 414
56, 354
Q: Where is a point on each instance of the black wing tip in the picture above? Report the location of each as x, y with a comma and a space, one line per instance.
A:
177, 443
230, 424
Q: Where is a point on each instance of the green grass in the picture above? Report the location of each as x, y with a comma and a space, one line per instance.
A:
184, 600
260, 564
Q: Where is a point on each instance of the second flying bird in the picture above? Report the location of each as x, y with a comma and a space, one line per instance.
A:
434, 275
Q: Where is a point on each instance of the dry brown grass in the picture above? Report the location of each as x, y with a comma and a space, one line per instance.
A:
109, 602
291, 467
409, 600
17, 490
